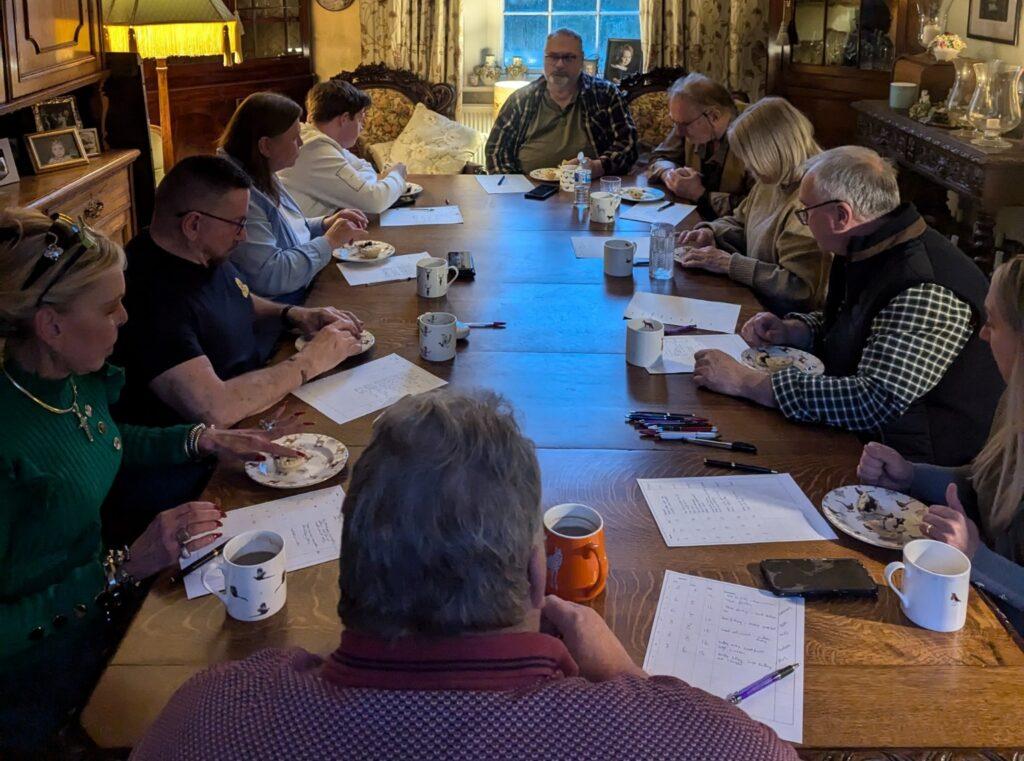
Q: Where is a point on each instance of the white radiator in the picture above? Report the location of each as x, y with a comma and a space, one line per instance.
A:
480, 117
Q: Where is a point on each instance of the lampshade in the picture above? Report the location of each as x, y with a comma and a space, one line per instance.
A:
165, 28
502, 90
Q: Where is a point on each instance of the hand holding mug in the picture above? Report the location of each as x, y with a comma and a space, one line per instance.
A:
884, 466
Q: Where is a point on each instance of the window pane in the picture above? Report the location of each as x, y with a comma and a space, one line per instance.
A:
574, 5
524, 36
618, 27
584, 26
526, 5
620, 5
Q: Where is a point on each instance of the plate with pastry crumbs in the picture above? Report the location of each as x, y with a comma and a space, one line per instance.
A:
771, 359
366, 341
547, 174
412, 189
877, 516
325, 457
641, 195
363, 251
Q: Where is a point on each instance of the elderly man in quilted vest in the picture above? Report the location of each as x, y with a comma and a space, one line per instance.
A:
442, 654
562, 114
694, 160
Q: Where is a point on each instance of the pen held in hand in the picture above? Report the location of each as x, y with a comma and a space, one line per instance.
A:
194, 566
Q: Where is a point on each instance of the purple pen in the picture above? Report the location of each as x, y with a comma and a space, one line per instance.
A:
760, 684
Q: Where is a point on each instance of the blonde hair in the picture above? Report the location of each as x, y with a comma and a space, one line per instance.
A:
997, 472
22, 241
773, 140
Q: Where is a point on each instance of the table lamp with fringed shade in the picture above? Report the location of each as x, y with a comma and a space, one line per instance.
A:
504, 89
163, 28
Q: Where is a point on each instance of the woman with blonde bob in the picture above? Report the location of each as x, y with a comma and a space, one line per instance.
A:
979, 508
61, 287
762, 244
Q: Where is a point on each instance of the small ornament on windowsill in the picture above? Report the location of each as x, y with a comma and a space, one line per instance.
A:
517, 69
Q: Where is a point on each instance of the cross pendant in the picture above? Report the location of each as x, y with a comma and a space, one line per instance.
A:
83, 423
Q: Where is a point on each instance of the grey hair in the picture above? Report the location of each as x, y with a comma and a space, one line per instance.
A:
440, 520
704, 91
858, 176
566, 32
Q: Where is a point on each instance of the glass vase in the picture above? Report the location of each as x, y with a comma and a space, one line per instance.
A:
995, 106
958, 102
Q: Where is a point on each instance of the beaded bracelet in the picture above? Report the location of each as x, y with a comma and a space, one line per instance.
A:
192, 441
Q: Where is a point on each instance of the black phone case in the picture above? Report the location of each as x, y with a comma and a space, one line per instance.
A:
818, 577
541, 192
463, 262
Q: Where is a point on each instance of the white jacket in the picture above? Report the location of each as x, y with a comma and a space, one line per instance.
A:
327, 177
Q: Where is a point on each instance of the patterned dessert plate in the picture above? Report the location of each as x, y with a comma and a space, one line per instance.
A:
774, 358
547, 174
364, 251
412, 189
366, 339
641, 195
878, 516
325, 457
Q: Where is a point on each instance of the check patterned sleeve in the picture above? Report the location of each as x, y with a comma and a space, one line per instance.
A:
913, 342
813, 320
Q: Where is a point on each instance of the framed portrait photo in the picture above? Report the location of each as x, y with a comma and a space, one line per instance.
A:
56, 149
8, 170
625, 58
590, 66
91, 140
56, 113
994, 20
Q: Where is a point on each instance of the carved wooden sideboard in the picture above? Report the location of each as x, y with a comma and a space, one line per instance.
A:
986, 180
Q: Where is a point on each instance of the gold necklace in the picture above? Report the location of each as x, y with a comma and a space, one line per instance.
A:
83, 421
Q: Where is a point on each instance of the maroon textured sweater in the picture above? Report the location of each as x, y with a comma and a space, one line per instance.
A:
509, 696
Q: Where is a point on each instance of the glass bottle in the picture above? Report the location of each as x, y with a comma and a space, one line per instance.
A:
663, 244
995, 106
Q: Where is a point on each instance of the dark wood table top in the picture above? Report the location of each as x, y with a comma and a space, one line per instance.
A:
873, 679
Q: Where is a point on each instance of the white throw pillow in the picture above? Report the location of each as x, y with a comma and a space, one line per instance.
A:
434, 144
380, 155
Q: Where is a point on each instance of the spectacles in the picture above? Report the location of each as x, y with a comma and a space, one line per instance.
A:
238, 225
801, 214
683, 126
566, 58
66, 241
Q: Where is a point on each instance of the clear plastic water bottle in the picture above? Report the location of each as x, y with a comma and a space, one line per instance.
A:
663, 243
582, 181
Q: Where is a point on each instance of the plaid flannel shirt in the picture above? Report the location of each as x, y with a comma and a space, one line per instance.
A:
606, 118
913, 342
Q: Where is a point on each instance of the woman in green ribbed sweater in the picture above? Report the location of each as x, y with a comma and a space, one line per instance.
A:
60, 310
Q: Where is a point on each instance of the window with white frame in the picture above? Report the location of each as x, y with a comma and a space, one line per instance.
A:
526, 24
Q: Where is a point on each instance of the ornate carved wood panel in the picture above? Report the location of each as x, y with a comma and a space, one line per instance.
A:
50, 42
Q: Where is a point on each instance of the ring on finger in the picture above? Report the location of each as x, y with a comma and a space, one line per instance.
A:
266, 425
182, 536
184, 552
925, 528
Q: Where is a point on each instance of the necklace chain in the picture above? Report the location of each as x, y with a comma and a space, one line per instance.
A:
83, 421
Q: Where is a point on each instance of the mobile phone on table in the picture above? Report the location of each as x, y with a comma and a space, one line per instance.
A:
541, 192
463, 262
818, 577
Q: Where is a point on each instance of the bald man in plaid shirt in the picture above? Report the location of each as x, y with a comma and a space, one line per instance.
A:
904, 363
562, 114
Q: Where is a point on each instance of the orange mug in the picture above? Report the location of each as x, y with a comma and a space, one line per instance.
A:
577, 562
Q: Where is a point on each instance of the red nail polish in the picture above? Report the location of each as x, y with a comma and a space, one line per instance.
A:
217, 536
219, 524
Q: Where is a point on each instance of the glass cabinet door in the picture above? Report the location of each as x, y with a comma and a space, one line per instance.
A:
852, 33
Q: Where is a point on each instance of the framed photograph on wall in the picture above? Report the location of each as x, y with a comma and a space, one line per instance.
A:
56, 113
8, 171
56, 149
590, 66
91, 140
625, 58
994, 20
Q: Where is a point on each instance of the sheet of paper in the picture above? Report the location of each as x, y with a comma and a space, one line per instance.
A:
309, 523
513, 183
394, 268
677, 351
678, 310
721, 637
421, 215
696, 512
649, 212
353, 393
592, 247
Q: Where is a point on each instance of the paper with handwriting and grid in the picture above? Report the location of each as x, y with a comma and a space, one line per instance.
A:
721, 637
513, 183
592, 247
309, 523
677, 352
695, 512
395, 268
353, 393
679, 310
421, 215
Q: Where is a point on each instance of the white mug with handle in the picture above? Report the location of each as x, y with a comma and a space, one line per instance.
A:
936, 582
433, 276
253, 567
438, 333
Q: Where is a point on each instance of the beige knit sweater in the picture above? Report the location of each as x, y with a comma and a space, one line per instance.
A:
772, 252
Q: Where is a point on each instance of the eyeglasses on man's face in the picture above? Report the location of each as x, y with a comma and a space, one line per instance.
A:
566, 58
238, 224
802, 214
683, 126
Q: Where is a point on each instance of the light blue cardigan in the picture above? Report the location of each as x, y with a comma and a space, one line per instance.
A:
274, 263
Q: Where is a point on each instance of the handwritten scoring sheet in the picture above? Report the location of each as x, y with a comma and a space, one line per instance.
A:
692, 512
353, 393
395, 268
677, 353
679, 310
721, 637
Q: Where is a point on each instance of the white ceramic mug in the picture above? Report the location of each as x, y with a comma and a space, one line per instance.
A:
645, 339
433, 276
902, 95
618, 258
567, 177
603, 207
936, 582
438, 333
253, 567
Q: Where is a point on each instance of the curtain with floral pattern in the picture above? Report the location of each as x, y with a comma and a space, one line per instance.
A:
423, 36
661, 32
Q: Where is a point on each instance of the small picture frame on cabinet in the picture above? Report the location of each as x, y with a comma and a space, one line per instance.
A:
8, 169
91, 140
56, 149
56, 113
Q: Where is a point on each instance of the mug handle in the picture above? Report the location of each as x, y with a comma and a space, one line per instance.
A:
602, 569
888, 573
222, 594
454, 277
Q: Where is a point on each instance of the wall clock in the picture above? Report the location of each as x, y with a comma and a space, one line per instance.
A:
334, 5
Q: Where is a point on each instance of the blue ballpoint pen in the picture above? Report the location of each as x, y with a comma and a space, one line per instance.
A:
760, 684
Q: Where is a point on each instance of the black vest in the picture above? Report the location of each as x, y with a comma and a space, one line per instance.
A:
948, 425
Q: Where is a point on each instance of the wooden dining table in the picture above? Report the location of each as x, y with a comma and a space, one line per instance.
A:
873, 680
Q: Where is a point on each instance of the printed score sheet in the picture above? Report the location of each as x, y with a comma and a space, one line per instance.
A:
717, 316
677, 351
